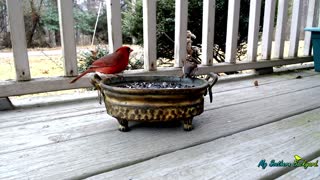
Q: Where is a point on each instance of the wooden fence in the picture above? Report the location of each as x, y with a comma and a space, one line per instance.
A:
25, 84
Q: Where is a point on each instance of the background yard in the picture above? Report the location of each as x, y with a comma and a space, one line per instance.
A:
48, 62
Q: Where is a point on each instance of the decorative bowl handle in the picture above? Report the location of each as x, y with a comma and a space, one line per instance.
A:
211, 83
95, 81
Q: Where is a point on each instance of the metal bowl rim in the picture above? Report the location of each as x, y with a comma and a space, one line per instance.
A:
203, 84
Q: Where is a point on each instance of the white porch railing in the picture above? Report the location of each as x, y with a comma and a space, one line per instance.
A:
24, 84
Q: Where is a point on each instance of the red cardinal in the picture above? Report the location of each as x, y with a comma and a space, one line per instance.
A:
110, 64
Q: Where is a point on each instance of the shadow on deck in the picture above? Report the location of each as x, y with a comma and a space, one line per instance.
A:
244, 125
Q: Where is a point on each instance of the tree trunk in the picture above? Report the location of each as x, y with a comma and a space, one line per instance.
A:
35, 16
52, 39
57, 38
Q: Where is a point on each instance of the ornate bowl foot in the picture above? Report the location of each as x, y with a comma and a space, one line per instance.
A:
123, 125
187, 124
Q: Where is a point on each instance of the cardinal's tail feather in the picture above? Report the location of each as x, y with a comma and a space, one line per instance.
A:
82, 74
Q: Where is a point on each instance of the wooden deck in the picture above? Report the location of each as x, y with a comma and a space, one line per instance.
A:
245, 124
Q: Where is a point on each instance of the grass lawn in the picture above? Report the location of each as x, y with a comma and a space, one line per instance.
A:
46, 64
40, 66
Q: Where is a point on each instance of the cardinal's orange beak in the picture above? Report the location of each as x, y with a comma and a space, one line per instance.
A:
131, 50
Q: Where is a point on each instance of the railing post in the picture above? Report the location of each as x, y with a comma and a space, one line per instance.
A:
18, 39
114, 24
149, 35
68, 41
253, 32
232, 30
295, 28
180, 38
312, 6
280, 28
208, 31
268, 23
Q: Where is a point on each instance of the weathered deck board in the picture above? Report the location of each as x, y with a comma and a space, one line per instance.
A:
44, 133
301, 173
51, 127
73, 156
251, 93
248, 80
43, 114
237, 155
26, 116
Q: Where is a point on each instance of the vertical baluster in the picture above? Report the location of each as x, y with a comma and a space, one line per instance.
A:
18, 40
114, 24
208, 31
295, 28
281, 28
68, 41
253, 32
313, 4
268, 23
149, 35
232, 30
180, 41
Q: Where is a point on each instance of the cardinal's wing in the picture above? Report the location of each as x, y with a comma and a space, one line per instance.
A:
106, 61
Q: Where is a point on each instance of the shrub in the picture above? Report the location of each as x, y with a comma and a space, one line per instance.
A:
87, 57
133, 25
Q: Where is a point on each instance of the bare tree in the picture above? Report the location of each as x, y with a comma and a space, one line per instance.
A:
35, 17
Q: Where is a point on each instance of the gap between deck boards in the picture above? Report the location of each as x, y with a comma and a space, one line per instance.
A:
232, 80
189, 159
220, 97
220, 88
309, 157
273, 176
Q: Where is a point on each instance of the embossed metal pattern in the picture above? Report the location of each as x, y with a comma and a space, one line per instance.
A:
152, 105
